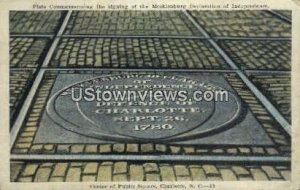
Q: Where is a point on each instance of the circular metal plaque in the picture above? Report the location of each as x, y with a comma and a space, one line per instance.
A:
141, 107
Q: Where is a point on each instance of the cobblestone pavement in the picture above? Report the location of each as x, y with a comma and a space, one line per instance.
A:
34, 21
25, 52
136, 53
261, 50
19, 84
259, 55
130, 23
242, 23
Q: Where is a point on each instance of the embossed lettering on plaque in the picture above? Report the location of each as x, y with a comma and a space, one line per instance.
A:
143, 108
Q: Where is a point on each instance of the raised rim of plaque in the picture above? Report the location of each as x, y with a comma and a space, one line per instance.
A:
99, 132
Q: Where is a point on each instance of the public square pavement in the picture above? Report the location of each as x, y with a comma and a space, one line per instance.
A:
250, 50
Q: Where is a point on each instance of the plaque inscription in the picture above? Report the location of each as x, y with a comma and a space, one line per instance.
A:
143, 107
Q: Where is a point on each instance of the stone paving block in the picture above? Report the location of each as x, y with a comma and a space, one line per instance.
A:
42, 175
198, 174
104, 173
77, 148
272, 151
119, 147
120, 167
60, 169
247, 23
258, 174
105, 148
132, 148
167, 173
286, 175
91, 148
147, 147
30, 169
130, 23
63, 148
136, 53
25, 140
240, 171
181, 170
160, 147
258, 150
73, 175
232, 150
271, 172
189, 150
175, 149
228, 175
259, 54
151, 167
91, 168
210, 170
37, 22
218, 150
26, 52
244, 150
136, 172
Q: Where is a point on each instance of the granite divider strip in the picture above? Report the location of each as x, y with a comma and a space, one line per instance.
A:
276, 160
31, 35
140, 36
249, 71
128, 36
139, 70
253, 38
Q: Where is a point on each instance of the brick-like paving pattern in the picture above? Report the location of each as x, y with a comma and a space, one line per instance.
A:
114, 51
149, 171
25, 52
242, 24
42, 22
136, 53
18, 83
277, 88
130, 23
259, 55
